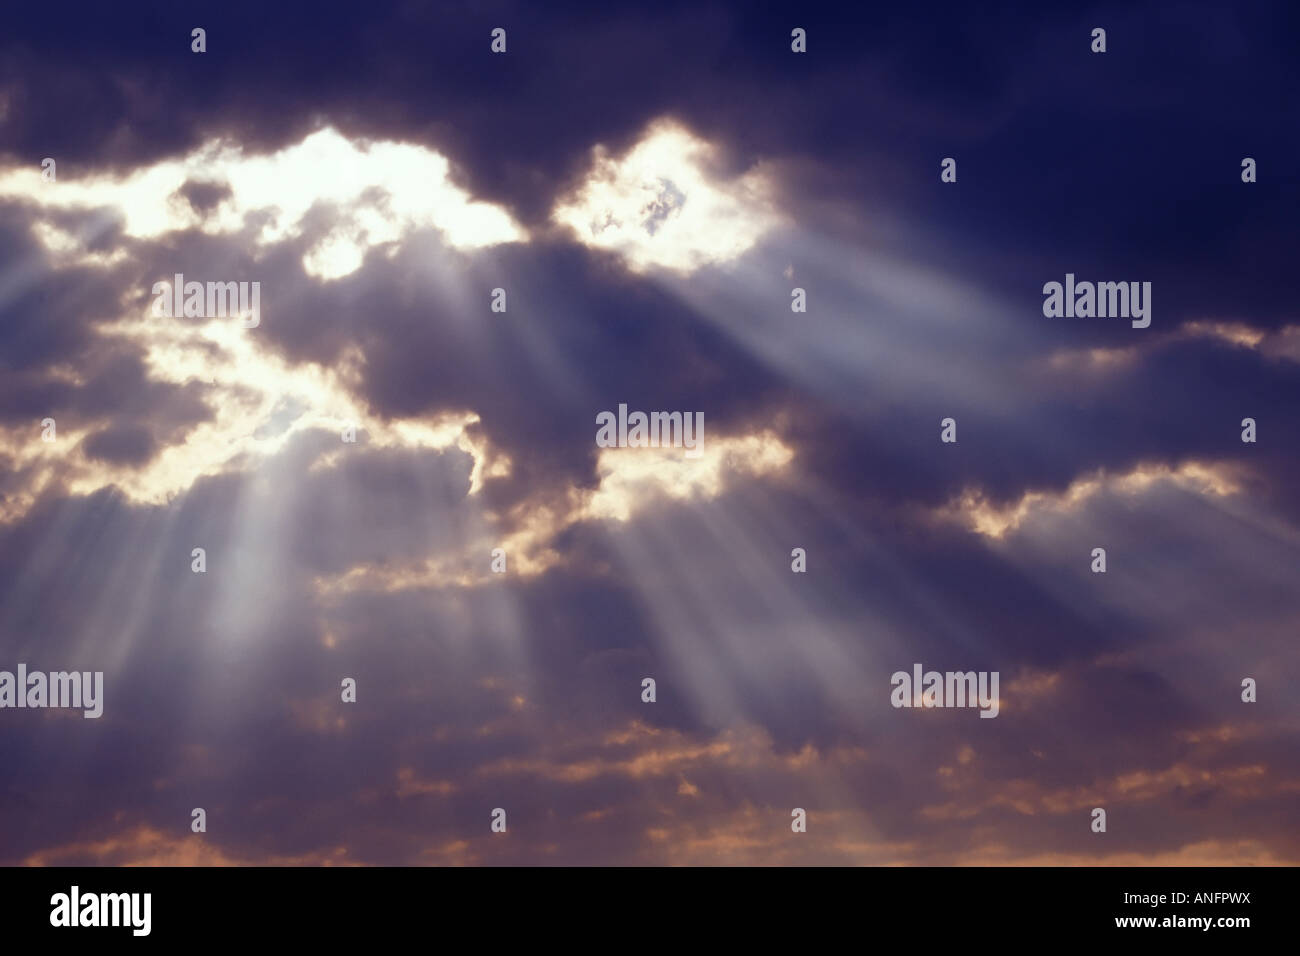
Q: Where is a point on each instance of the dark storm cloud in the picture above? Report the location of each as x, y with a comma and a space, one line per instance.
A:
243, 722
877, 85
50, 318
580, 338
1143, 414
580, 335
125, 445
205, 196
177, 700
44, 314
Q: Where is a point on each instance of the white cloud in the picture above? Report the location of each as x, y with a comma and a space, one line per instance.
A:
658, 205
974, 510
382, 190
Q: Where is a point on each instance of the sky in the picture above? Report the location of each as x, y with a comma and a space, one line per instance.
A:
648, 186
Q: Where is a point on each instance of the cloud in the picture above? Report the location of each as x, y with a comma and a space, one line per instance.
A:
663, 203
146, 846
995, 521
378, 192
127, 445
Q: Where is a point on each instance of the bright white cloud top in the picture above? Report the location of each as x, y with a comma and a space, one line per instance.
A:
381, 191
659, 205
